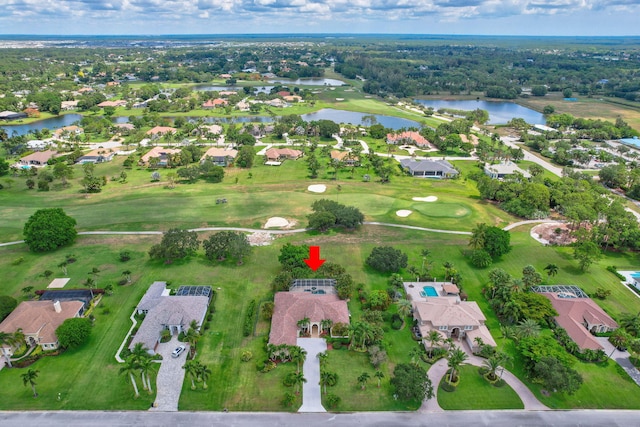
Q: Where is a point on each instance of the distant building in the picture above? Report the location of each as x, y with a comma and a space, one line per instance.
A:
409, 137
504, 169
12, 115
220, 156
429, 168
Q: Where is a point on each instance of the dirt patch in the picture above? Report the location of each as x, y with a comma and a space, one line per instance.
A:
260, 238
553, 234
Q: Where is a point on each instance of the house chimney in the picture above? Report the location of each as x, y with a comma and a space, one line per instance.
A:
57, 307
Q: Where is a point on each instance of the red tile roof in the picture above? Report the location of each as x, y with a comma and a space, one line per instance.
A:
291, 307
408, 137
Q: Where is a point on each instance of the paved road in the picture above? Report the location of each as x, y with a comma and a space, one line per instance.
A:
311, 392
511, 142
170, 376
582, 418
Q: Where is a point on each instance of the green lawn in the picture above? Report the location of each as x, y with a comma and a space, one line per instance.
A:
474, 392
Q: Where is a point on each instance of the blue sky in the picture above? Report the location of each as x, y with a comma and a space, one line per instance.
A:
508, 17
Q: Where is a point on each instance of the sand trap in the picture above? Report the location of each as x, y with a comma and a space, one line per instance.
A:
317, 188
403, 213
276, 221
425, 199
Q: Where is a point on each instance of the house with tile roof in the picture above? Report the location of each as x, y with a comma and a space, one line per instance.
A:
37, 159
581, 317
452, 318
409, 138
346, 157
291, 307
160, 153
39, 321
282, 154
158, 131
165, 311
220, 156
429, 168
214, 103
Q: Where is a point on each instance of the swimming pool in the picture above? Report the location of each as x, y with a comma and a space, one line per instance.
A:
636, 275
430, 291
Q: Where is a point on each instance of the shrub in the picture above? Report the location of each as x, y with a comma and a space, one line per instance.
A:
249, 318
613, 269
289, 380
125, 256
332, 400
396, 321
387, 259
246, 355
446, 386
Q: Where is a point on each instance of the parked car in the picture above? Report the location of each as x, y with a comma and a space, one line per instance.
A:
178, 351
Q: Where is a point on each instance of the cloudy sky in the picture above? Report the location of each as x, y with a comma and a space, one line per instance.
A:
515, 17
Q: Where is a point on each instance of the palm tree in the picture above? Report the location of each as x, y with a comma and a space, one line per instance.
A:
127, 275
63, 266
448, 267
379, 375
328, 379
415, 354
205, 374
326, 324
130, 368
322, 357
10, 341
478, 341
404, 308
303, 324
448, 342
298, 380
140, 356
192, 336
455, 359
551, 269
631, 323
433, 338
191, 368
297, 355
362, 380
492, 364
619, 339
478, 236
145, 366
528, 328
29, 377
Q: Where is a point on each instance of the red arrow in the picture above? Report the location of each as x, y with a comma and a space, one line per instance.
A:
314, 262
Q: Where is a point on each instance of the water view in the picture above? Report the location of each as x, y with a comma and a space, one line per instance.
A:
52, 123
239, 89
314, 81
355, 118
500, 112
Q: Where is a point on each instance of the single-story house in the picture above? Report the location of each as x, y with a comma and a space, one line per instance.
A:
581, 317
243, 106
124, 127
277, 102
344, 156
38, 159
68, 105
115, 104
291, 307
208, 129
39, 321
162, 154
37, 144
281, 154
292, 98
408, 137
452, 318
158, 131
429, 168
220, 156
12, 115
214, 103
504, 169
172, 312
66, 131
99, 155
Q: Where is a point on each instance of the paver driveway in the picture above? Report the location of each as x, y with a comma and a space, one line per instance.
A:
170, 376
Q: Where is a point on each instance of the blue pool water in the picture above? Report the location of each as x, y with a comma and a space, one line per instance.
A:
636, 275
430, 291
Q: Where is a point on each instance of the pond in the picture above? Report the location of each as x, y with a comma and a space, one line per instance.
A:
52, 123
314, 81
355, 118
239, 89
500, 112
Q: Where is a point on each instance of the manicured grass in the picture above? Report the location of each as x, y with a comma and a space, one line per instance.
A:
474, 392
349, 365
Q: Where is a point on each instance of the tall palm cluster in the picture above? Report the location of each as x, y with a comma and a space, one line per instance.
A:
286, 353
139, 362
363, 334
198, 373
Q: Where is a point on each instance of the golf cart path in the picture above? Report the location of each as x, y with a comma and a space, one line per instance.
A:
297, 230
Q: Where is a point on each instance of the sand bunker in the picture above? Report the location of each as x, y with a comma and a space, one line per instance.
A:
317, 188
403, 213
276, 221
425, 199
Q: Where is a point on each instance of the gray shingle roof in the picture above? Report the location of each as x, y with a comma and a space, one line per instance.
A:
428, 166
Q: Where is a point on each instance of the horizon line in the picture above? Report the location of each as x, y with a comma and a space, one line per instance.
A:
312, 34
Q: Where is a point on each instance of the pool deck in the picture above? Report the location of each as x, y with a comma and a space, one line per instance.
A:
630, 282
413, 289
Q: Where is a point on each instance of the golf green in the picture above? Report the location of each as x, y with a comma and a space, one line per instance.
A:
442, 210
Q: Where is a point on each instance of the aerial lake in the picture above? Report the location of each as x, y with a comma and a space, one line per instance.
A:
239, 89
500, 112
52, 123
308, 82
355, 118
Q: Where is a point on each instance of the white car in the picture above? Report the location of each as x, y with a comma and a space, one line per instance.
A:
178, 351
